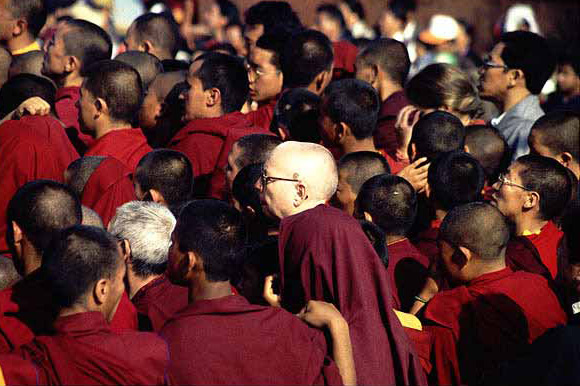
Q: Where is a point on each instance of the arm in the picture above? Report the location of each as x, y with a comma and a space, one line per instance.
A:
320, 314
32, 106
429, 290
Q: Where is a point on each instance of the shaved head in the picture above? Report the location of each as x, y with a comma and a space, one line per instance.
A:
165, 81
435, 133
8, 273
479, 227
359, 166
147, 65
489, 148
5, 61
79, 171
28, 63
92, 218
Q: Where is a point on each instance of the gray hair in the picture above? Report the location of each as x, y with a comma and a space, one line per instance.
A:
147, 226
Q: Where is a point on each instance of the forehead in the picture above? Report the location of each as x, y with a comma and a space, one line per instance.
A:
261, 56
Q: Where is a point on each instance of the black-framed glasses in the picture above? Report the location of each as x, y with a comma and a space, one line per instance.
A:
503, 180
265, 180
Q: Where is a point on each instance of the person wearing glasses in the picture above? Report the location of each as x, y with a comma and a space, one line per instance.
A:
533, 192
512, 77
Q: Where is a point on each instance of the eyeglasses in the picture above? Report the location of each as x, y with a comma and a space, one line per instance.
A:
503, 180
254, 70
489, 64
265, 180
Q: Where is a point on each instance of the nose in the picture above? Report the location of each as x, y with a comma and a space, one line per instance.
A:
258, 185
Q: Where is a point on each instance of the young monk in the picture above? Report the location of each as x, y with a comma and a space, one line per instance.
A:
85, 270
204, 340
147, 65
494, 313
110, 100
296, 116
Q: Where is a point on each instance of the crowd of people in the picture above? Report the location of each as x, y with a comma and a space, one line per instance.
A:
265, 202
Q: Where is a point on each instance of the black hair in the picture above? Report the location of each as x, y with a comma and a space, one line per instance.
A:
23, 86
214, 232
362, 165
354, 103
147, 65
88, 42
390, 55
244, 187
437, 132
401, 8
571, 56
391, 201
27, 63
297, 111
160, 29
271, 14
78, 257
560, 132
119, 85
378, 239
167, 171
275, 41
334, 13
455, 178
489, 147
229, 11
226, 48
356, 7
255, 148
33, 11
530, 53
80, 170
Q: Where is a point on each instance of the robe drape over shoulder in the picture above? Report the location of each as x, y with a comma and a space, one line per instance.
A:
262, 116
126, 145
324, 255
230, 341
546, 242
108, 188
67, 111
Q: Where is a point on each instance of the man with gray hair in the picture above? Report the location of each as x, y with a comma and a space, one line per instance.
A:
144, 232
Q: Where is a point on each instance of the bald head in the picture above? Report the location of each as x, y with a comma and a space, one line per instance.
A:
147, 65
479, 227
28, 63
79, 171
489, 148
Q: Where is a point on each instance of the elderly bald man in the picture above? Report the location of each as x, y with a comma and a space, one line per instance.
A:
323, 251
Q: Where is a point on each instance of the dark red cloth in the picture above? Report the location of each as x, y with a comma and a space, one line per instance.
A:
546, 242
24, 156
395, 164
325, 255
426, 241
18, 371
344, 58
157, 301
385, 135
67, 111
407, 270
125, 318
108, 188
262, 117
126, 145
85, 351
230, 341
522, 255
422, 341
491, 319
202, 140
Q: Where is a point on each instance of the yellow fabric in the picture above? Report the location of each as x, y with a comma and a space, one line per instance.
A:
2, 380
529, 233
409, 320
32, 47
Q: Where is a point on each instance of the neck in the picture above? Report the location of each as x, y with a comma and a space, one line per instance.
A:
440, 214
351, 145
135, 283
529, 224
31, 259
306, 206
72, 79
515, 96
484, 267
20, 42
386, 89
206, 290
74, 309
391, 239
111, 126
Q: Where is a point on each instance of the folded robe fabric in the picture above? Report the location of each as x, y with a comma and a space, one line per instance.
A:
126, 145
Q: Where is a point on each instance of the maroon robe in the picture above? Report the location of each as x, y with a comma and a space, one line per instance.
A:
126, 145
14, 370
407, 270
324, 255
108, 188
522, 255
24, 156
230, 341
202, 140
491, 319
385, 135
262, 117
344, 59
546, 242
157, 301
85, 351
66, 99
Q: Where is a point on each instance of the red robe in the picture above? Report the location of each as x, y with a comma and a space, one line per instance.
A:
202, 140
262, 117
407, 271
157, 301
108, 188
230, 341
522, 255
14, 370
85, 351
344, 59
546, 242
385, 135
491, 319
126, 145
67, 111
25, 156
325, 255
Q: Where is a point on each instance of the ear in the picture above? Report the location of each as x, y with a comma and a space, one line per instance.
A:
126, 251
413, 152
466, 148
157, 197
532, 200
515, 77
101, 106
271, 298
427, 190
101, 291
341, 130
565, 159
321, 81
191, 262
301, 195
146, 46
248, 209
72, 64
213, 97
17, 233
461, 257
20, 27
368, 216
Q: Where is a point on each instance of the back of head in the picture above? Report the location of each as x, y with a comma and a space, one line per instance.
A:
271, 14
228, 74
244, 187
8, 273
275, 41
80, 170
388, 55
255, 148
40, 208
559, 132
549, 179
214, 232
307, 54
78, 257
486, 144
167, 171
27, 63
88, 42
442, 85
455, 178
479, 227
21, 87
297, 113
147, 226
391, 201
119, 85
361, 166
33, 11
437, 132
92, 218
5, 63
354, 103
530, 53
147, 65
159, 29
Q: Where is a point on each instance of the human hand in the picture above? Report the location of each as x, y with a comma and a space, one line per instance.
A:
32, 106
416, 174
320, 314
408, 116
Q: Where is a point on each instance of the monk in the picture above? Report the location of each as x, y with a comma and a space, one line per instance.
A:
391, 203
155, 34
494, 313
110, 100
212, 105
75, 46
353, 170
296, 116
5, 63
323, 251
85, 270
28, 63
92, 218
532, 192
145, 230
204, 340
147, 65
22, 22
164, 176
